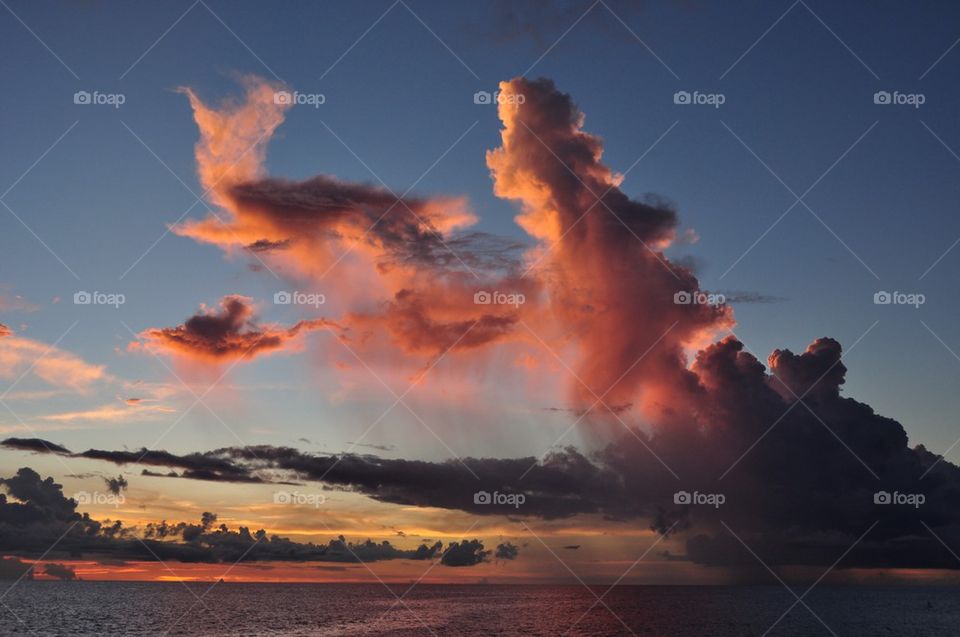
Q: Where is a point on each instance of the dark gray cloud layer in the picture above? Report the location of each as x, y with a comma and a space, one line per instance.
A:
799, 479
39, 517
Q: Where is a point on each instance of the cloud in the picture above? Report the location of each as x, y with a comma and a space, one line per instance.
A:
465, 553
307, 219
413, 267
62, 369
116, 485
739, 297
233, 138
506, 551
34, 444
796, 462
14, 302
611, 287
111, 413
222, 334
40, 517
4, 330
791, 474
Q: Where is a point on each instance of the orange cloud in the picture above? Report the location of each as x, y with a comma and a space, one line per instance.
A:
610, 285
307, 224
62, 369
233, 138
603, 292
219, 335
110, 413
412, 273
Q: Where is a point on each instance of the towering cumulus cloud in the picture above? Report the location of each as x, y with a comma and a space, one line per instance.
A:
610, 285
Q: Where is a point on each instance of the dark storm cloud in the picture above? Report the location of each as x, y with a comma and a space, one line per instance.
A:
562, 484
39, 517
465, 553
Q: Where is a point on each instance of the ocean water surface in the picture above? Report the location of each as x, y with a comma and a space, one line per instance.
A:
199, 609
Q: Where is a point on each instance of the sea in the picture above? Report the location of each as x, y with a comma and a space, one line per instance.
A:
45, 608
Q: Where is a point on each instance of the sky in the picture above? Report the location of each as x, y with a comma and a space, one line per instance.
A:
187, 200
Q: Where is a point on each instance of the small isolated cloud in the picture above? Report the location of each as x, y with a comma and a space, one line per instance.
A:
116, 485
465, 553
10, 302
506, 551
225, 333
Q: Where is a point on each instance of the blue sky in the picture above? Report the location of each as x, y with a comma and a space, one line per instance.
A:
399, 98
